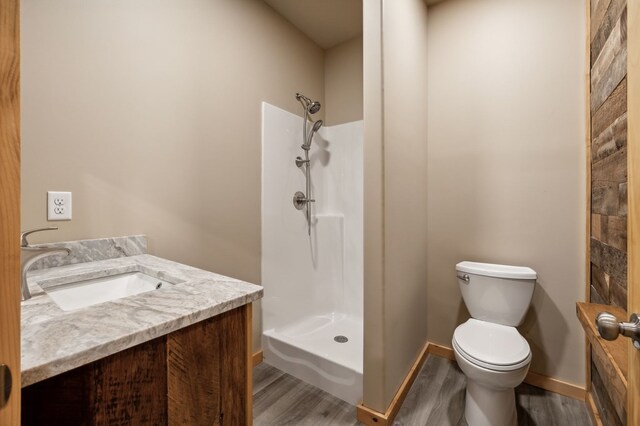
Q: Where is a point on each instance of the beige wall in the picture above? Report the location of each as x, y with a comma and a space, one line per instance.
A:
506, 163
374, 362
343, 82
149, 111
395, 194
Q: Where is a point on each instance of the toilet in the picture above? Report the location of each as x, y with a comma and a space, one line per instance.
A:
488, 348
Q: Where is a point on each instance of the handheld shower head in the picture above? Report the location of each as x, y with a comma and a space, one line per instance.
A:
316, 127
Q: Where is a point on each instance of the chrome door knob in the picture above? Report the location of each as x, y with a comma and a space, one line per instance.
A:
609, 328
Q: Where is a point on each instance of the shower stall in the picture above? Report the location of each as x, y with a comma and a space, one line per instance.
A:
312, 249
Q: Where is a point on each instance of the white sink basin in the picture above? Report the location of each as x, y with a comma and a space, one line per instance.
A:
81, 294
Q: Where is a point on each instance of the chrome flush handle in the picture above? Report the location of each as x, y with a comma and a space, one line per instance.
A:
463, 277
609, 328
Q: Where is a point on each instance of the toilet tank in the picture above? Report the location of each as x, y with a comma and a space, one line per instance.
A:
496, 293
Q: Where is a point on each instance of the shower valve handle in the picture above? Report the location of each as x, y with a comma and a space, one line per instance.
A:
300, 200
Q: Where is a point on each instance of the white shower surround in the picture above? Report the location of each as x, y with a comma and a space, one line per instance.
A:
313, 285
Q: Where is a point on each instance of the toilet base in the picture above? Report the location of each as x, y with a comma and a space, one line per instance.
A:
490, 407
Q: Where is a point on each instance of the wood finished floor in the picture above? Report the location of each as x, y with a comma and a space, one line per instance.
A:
435, 399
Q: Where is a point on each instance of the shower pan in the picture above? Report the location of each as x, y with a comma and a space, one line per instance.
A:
312, 263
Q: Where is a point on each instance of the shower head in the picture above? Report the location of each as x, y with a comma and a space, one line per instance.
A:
310, 107
314, 107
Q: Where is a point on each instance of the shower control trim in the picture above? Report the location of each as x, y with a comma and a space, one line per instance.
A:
300, 200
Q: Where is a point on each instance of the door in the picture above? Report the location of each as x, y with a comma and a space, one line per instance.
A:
633, 117
9, 212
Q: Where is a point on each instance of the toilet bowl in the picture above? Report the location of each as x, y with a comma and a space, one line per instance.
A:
495, 359
489, 349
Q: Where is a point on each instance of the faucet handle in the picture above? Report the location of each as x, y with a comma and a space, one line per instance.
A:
25, 234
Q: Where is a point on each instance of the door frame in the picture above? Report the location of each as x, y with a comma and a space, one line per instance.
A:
633, 218
10, 203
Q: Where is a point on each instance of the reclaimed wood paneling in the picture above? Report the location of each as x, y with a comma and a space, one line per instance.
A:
611, 140
596, 220
608, 273
618, 293
623, 199
235, 362
616, 390
611, 66
600, 282
594, 297
598, 13
612, 168
124, 389
615, 232
192, 384
131, 386
606, 410
62, 400
609, 201
611, 109
217, 391
605, 197
611, 11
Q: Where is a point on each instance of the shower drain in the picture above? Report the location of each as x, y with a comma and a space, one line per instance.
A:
341, 339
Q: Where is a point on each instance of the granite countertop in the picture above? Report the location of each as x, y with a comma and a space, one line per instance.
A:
55, 341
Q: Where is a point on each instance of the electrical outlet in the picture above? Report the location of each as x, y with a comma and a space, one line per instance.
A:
58, 205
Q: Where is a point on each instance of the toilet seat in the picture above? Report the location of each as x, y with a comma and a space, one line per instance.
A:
492, 346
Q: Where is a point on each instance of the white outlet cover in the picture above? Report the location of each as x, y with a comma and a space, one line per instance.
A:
58, 205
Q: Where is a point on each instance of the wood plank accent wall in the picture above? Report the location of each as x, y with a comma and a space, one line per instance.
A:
608, 238
609, 152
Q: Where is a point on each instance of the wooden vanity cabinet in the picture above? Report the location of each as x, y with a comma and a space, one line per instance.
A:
199, 375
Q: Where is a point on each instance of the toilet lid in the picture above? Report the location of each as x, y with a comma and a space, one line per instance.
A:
494, 346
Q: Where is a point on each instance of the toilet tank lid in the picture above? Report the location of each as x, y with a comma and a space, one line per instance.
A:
498, 271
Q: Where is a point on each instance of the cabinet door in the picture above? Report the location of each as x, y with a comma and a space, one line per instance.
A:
209, 372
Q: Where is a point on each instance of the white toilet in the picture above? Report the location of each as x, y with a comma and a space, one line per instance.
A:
489, 350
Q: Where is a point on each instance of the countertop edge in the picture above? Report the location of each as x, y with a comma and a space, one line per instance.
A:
42, 372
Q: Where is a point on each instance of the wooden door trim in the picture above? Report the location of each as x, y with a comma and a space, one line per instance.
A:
10, 202
587, 107
633, 158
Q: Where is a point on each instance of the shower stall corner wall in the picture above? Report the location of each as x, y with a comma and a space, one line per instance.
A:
313, 285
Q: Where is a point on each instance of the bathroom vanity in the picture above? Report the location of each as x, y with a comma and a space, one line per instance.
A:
176, 354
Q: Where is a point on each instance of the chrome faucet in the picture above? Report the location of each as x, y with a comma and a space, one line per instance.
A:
30, 254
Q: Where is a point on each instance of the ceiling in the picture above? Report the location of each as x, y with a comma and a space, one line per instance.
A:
327, 22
